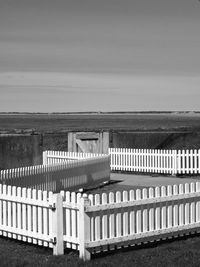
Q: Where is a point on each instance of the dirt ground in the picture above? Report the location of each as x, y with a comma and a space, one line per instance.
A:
121, 181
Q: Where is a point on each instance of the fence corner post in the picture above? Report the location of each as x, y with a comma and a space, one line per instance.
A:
58, 246
44, 158
84, 229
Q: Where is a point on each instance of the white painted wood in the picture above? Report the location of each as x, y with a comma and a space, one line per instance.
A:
118, 216
39, 216
163, 209
34, 210
9, 193
138, 213
19, 212
139, 238
58, 248
52, 177
4, 209
145, 212
187, 206
84, 230
156, 161
175, 206
151, 210
157, 210
111, 217
169, 208
104, 218
24, 214
92, 236
97, 218
73, 218
198, 203
181, 206
125, 215
132, 212
192, 205
45, 218
50, 216
1, 209
14, 211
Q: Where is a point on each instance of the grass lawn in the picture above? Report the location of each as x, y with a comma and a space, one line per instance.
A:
184, 252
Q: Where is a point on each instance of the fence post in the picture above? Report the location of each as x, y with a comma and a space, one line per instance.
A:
57, 217
44, 158
84, 229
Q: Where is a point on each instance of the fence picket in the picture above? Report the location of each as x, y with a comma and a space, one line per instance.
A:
187, 211
145, 212
24, 214
9, 193
132, 213
4, 209
175, 206
157, 210
111, 220
138, 213
125, 215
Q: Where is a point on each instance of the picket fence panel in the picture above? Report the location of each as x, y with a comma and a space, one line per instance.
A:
98, 222
71, 202
138, 160
155, 160
127, 218
58, 176
52, 157
25, 214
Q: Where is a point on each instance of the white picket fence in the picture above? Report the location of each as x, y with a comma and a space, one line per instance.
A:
155, 161
115, 220
52, 157
138, 160
100, 222
27, 215
67, 174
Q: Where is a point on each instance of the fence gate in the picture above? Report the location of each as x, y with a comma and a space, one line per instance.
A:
88, 142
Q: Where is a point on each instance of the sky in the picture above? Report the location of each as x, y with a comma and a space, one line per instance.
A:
99, 55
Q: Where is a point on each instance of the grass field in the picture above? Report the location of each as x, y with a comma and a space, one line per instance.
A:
173, 253
130, 122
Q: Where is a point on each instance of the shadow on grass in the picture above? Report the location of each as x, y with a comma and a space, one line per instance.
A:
146, 245
171, 253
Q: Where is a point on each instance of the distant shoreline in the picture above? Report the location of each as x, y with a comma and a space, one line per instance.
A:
103, 113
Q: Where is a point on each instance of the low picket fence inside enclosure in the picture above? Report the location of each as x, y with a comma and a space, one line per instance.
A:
61, 175
52, 157
155, 160
171, 162
98, 222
